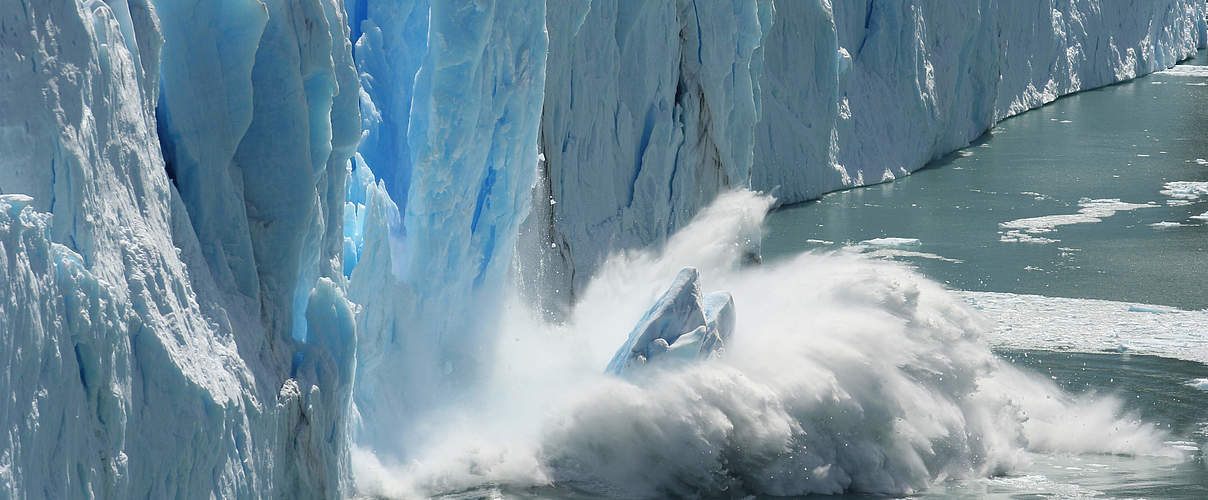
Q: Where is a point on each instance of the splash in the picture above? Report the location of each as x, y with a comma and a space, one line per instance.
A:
844, 374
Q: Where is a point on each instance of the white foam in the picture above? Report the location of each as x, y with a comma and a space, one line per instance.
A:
1090, 325
894, 253
1186, 70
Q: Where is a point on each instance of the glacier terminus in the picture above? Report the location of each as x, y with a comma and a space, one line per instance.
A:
413, 248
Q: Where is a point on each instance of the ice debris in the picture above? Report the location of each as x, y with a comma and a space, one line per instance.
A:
682, 325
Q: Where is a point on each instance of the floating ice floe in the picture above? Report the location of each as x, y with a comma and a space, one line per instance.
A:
1185, 190
1089, 212
1166, 224
892, 242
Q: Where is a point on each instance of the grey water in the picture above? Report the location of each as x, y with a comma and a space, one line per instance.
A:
1124, 142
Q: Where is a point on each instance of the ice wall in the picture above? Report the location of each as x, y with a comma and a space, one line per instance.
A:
913, 81
649, 106
649, 111
171, 191
451, 104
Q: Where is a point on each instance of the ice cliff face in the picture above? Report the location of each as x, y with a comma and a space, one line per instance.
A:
913, 81
649, 108
180, 168
452, 101
648, 114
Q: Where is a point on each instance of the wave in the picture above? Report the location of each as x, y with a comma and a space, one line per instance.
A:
844, 374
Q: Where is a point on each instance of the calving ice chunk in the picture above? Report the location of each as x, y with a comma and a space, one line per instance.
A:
682, 325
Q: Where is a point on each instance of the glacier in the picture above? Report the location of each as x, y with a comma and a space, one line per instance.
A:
836, 95
454, 98
174, 321
241, 240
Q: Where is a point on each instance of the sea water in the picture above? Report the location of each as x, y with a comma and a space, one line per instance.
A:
1081, 229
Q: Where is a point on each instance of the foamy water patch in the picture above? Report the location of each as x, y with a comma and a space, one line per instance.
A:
890, 248
1186, 70
1091, 325
895, 253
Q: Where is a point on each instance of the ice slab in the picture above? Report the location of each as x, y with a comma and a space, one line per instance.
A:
1089, 212
681, 325
892, 242
1185, 190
